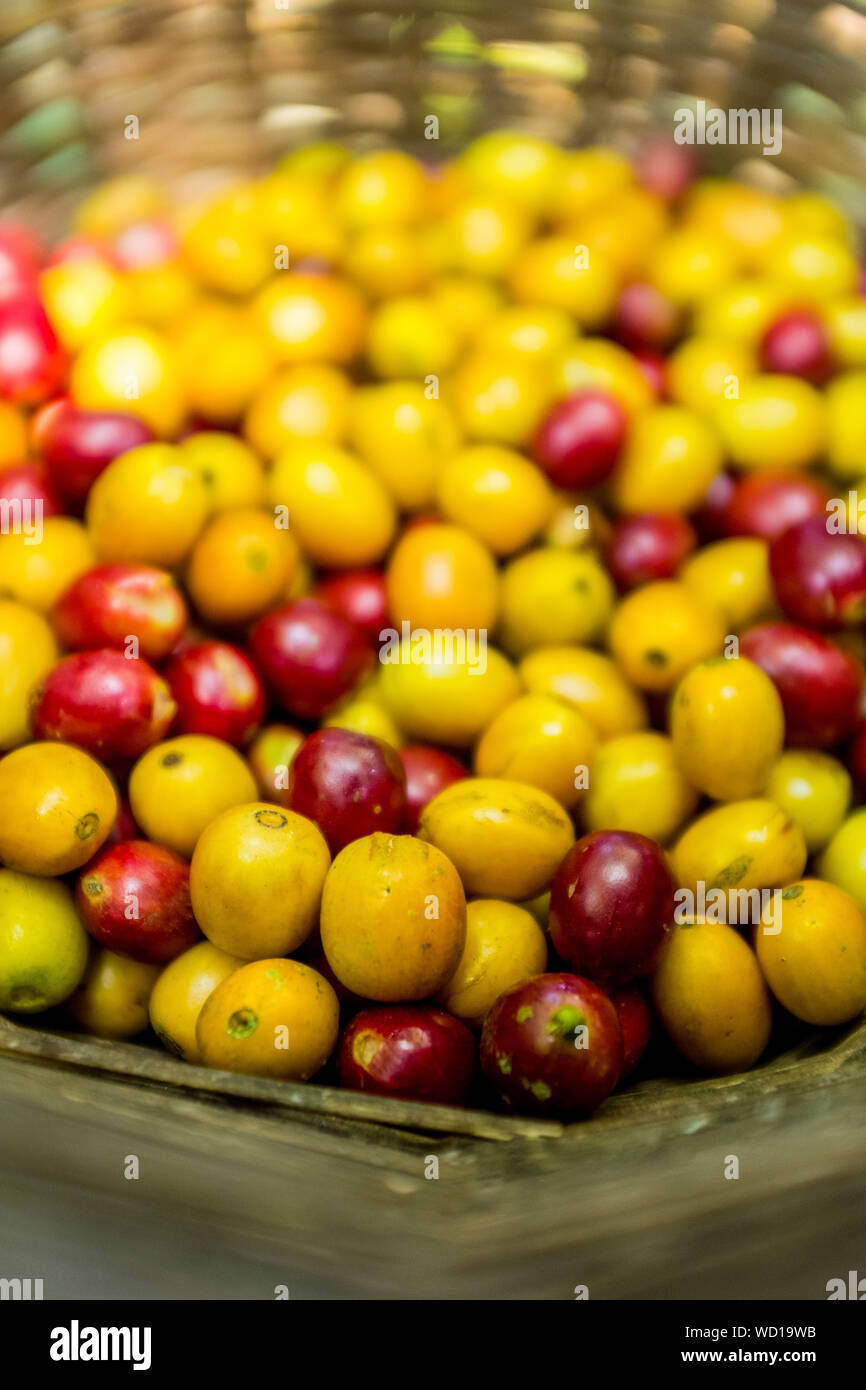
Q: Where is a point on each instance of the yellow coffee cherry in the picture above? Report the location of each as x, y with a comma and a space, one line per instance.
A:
846, 424
339, 512
564, 272
814, 789
728, 727
590, 681
662, 629
404, 435
599, 364
671, 456
552, 597
636, 784
691, 264
703, 371
775, 422
504, 946
495, 493
734, 576
542, 741
815, 267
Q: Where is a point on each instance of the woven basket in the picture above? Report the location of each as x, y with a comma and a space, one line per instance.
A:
223, 87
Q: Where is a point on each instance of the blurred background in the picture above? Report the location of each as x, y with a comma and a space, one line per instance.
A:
226, 86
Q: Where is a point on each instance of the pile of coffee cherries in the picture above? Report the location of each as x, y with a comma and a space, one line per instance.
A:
432, 610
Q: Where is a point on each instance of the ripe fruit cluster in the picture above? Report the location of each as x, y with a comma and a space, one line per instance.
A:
431, 621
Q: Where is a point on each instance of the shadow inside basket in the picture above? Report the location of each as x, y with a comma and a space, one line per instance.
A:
809, 1056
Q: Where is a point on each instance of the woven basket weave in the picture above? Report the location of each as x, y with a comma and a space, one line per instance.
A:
223, 87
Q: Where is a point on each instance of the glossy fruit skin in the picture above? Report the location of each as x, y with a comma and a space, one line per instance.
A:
550, 596
363, 712
589, 680
846, 421
500, 398
611, 901
636, 784
649, 546
403, 437
298, 403
360, 597
77, 445
412, 1051
341, 514
441, 576
635, 1024
766, 504
578, 442
349, 785
43, 944
134, 899
241, 564
820, 684
28, 484
597, 363
798, 344
733, 576
739, 846
218, 691
542, 741
393, 918
530, 1052
111, 1000
504, 946
645, 318
814, 958
232, 473
310, 655
844, 860
270, 756
28, 650
819, 577
700, 371
506, 839
178, 787
496, 494
14, 436
148, 506
57, 807
815, 790
178, 995
38, 574
710, 996
727, 723
241, 1023
660, 630
311, 318
108, 705
32, 362
672, 455
428, 771
445, 699
109, 604
256, 880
